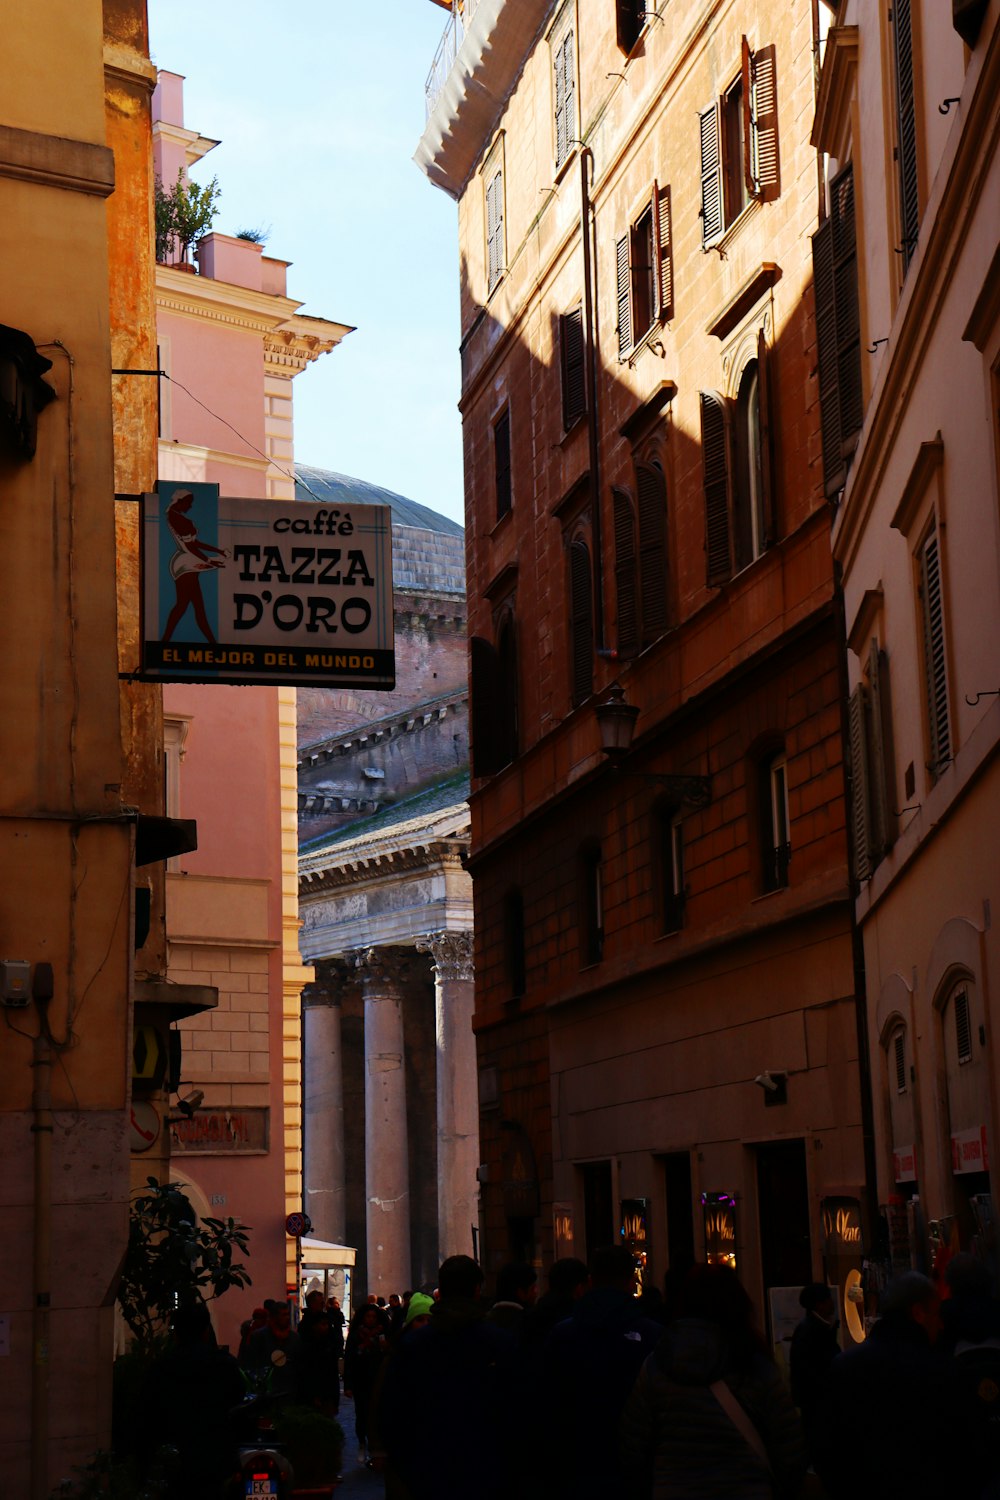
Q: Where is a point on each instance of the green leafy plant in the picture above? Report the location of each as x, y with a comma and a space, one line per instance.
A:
256, 236
173, 1259
183, 213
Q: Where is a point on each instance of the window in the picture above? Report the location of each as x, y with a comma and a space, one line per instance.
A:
496, 255
592, 902
935, 665
738, 472
906, 128
564, 91
872, 784
838, 331
571, 349
493, 706
670, 834
501, 463
774, 824
899, 1060
645, 275
641, 572
175, 732
631, 19
581, 621
739, 144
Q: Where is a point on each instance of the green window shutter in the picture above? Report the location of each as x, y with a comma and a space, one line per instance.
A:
581, 621
715, 468
764, 124
664, 252
625, 575
711, 174
652, 508
906, 127
574, 391
624, 298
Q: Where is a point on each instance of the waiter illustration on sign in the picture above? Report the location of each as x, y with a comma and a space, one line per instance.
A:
192, 558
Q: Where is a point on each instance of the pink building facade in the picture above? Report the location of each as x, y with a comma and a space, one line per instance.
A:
231, 342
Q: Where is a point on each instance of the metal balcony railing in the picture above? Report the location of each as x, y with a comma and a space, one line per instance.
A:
462, 12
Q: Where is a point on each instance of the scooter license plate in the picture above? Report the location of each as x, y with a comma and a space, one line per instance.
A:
266, 1487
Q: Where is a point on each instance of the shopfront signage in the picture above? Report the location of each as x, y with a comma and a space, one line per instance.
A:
904, 1164
260, 591
969, 1152
221, 1132
720, 1229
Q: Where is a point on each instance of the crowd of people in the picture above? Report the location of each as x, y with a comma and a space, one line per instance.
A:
589, 1391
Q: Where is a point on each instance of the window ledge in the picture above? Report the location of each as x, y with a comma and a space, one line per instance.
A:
649, 340
722, 241
750, 293
650, 409
501, 522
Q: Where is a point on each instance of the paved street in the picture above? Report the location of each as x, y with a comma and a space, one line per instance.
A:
358, 1480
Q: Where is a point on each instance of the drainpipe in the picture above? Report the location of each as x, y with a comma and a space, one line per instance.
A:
41, 1105
586, 163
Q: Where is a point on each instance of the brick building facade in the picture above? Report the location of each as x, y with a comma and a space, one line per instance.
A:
667, 1002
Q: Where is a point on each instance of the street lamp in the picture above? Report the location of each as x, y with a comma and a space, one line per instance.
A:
616, 721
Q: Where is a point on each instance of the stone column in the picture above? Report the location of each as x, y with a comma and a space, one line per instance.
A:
382, 972
457, 1090
323, 1109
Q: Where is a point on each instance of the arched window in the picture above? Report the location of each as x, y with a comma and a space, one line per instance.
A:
748, 500
668, 834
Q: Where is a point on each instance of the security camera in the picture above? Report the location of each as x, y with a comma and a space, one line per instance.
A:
766, 1080
191, 1102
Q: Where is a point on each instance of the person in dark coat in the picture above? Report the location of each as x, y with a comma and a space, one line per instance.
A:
896, 1421
589, 1364
364, 1352
517, 1288
190, 1399
710, 1417
448, 1402
814, 1348
319, 1361
272, 1353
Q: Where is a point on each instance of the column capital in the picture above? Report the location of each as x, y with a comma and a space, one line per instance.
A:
316, 995
451, 952
379, 967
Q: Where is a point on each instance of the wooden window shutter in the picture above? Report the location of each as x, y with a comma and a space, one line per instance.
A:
625, 575
574, 391
834, 470
899, 1059
766, 164
501, 463
963, 1026
652, 509
881, 759
624, 298
484, 684
906, 128
860, 795
581, 621
767, 407
494, 229
565, 97
715, 467
746, 74
847, 306
664, 252
936, 676
711, 174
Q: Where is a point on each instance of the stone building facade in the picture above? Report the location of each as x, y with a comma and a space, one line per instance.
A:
908, 284
391, 1127
667, 997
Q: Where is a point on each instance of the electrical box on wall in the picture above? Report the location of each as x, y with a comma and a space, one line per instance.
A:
15, 981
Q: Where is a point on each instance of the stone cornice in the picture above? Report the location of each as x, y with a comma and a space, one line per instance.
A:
411, 720
382, 861
195, 146
204, 456
55, 162
127, 66
204, 298
837, 84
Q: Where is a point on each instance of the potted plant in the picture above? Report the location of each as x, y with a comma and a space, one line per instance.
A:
313, 1445
183, 215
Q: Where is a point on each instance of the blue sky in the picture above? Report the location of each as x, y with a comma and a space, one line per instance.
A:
319, 105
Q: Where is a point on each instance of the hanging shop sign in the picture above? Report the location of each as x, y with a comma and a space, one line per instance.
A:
261, 591
969, 1152
904, 1163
